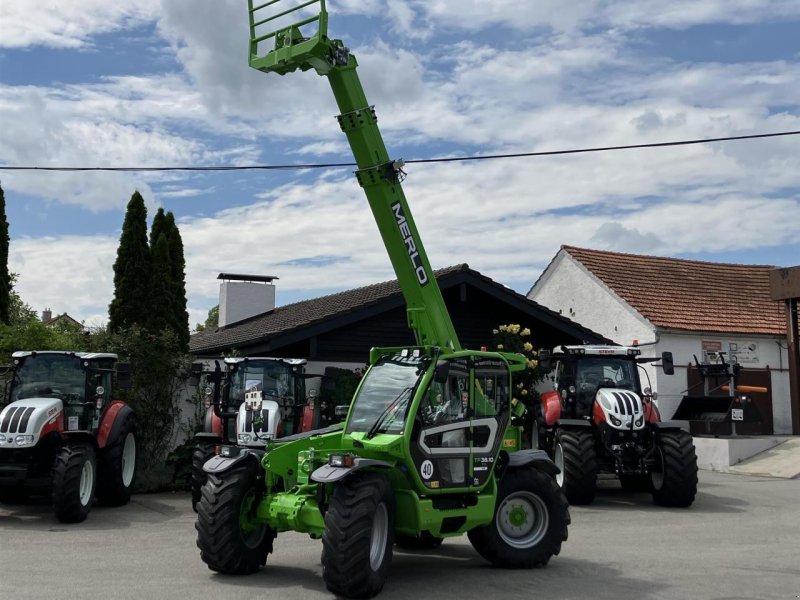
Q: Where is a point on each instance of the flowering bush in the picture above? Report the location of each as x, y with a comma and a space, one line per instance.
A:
515, 338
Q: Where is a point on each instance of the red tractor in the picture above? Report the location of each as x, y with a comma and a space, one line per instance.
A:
599, 419
61, 433
249, 401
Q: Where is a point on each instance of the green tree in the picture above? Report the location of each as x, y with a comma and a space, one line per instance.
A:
178, 268
158, 227
162, 299
212, 320
5, 277
130, 305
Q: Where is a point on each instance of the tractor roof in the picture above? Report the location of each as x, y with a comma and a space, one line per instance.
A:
81, 355
288, 361
598, 350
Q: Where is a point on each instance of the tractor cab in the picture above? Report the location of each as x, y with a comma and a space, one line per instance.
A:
583, 370
76, 382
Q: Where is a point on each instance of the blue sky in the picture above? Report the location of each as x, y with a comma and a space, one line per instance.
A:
166, 82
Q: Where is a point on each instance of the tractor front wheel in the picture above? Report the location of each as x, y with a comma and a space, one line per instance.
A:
674, 477
530, 521
117, 466
229, 539
358, 537
200, 455
74, 477
575, 456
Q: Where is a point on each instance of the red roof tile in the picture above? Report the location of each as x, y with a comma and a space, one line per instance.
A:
689, 295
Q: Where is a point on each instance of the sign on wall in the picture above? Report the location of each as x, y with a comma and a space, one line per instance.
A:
743, 352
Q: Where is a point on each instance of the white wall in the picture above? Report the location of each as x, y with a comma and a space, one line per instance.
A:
767, 353
566, 286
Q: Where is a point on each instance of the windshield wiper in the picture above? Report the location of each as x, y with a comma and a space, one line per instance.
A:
394, 404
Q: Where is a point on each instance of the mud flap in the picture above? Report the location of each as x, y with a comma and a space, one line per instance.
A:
535, 458
222, 463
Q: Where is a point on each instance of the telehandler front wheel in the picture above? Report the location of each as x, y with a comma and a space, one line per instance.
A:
229, 539
358, 537
530, 521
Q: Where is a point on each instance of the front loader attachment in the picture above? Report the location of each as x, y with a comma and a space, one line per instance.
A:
286, 35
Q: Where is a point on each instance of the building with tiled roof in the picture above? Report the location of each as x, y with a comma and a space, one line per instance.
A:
691, 308
339, 329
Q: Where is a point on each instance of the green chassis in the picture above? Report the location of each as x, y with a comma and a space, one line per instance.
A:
291, 500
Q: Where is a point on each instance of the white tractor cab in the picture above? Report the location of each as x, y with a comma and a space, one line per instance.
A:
599, 419
62, 433
249, 400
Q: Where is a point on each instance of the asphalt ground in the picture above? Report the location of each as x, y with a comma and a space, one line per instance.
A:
740, 540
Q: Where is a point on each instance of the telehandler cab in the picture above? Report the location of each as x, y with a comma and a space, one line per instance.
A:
430, 446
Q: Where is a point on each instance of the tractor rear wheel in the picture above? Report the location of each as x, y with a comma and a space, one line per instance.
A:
675, 476
530, 521
358, 537
230, 541
74, 477
117, 466
423, 541
574, 455
200, 455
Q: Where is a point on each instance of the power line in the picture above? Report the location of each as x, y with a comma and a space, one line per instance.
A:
299, 167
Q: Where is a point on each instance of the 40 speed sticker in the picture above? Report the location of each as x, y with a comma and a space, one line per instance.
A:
426, 469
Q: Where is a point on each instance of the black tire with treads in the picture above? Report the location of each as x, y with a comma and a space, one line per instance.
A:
675, 482
579, 470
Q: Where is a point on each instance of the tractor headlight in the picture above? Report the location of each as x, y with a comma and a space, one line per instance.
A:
245, 438
639, 421
2, 438
341, 460
614, 420
21, 440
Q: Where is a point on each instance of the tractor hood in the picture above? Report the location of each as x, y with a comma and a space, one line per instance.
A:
23, 422
622, 409
258, 421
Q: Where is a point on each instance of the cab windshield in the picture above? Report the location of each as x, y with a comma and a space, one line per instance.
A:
49, 375
272, 378
385, 394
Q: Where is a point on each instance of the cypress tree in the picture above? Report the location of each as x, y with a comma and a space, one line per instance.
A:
162, 299
130, 305
5, 276
178, 269
158, 227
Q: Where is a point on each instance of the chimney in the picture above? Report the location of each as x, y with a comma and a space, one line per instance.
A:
244, 296
47, 314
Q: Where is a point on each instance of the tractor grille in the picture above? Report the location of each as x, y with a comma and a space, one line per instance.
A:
256, 421
16, 419
627, 403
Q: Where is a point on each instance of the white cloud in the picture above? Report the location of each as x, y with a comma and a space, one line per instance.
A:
68, 24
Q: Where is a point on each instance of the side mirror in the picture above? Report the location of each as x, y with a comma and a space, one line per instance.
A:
124, 375
666, 362
442, 371
545, 360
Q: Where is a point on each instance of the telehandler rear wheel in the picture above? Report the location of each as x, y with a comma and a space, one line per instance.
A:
530, 521
200, 455
229, 540
358, 537
74, 477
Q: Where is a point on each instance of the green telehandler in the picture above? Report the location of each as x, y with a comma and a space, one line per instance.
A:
430, 447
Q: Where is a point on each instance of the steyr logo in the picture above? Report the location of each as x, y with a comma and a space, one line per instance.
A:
411, 246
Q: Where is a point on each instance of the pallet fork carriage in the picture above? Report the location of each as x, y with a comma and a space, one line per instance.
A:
430, 446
